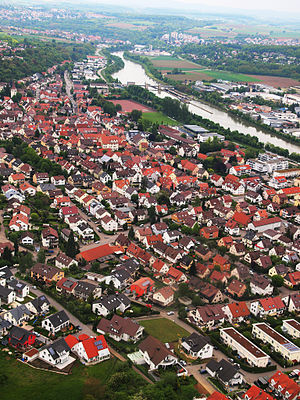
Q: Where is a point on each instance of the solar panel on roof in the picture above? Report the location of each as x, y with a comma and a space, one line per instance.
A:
51, 351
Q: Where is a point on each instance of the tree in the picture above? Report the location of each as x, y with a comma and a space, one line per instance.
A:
71, 246
7, 255
131, 233
25, 262
135, 115
277, 280
41, 257
134, 198
152, 215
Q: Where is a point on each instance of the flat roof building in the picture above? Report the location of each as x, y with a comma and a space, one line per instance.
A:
247, 350
279, 343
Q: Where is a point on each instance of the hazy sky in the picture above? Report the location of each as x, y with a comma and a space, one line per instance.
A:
289, 6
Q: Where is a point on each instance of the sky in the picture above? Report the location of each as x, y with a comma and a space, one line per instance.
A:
287, 6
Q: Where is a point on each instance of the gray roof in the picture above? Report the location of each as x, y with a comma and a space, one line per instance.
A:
111, 302
58, 318
19, 312
38, 302
56, 348
224, 370
196, 342
4, 292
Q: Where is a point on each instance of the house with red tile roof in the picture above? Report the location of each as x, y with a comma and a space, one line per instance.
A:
90, 350
102, 252
142, 286
284, 386
209, 232
217, 396
236, 288
222, 262
267, 306
255, 393
292, 279
236, 312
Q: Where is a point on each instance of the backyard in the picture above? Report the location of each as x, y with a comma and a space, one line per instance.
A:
32, 382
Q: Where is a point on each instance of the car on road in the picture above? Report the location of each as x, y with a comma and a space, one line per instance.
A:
149, 305
34, 287
170, 313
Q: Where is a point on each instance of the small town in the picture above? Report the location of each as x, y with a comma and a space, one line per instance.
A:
134, 242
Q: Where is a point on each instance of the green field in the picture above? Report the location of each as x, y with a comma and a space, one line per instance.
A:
181, 69
164, 329
229, 76
26, 383
160, 118
162, 58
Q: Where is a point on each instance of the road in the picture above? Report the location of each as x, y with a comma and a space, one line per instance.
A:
69, 87
86, 329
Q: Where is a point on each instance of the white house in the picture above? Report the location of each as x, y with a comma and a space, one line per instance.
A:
164, 296
90, 350
56, 353
197, 346
156, 354
111, 303
120, 328
109, 224
56, 322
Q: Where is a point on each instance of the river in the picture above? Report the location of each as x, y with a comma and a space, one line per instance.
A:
133, 72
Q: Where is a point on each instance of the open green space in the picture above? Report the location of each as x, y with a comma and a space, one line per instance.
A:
181, 69
160, 58
229, 76
159, 117
26, 383
164, 329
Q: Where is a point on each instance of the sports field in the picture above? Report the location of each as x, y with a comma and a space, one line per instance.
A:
129, 105
160, 118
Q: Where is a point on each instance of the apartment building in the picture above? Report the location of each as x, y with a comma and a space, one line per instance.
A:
292, 328
279, 343
245, 349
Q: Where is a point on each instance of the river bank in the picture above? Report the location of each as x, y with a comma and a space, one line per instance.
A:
133, 72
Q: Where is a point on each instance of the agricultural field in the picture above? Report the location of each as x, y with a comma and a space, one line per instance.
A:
160, 118
169, 63
164, 329
231, 30
276, 81
230, 76
190, 71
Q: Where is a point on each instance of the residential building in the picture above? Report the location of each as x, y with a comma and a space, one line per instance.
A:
278, 342
156, 354
197, 346
245, 349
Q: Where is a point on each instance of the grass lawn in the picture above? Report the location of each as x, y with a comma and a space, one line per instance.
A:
159, 118
163, 329
27, 383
